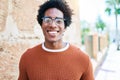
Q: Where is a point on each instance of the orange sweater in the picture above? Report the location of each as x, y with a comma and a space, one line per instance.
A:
71, 64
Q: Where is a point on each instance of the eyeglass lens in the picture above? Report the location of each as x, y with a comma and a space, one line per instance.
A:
57, 20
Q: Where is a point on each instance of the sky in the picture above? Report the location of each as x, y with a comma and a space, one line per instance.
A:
91, 9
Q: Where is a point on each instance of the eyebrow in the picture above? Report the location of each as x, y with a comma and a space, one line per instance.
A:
53, 18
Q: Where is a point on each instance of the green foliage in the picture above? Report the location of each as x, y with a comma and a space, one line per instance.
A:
118, 11
85, 29
108, 10
100, 24
113, 6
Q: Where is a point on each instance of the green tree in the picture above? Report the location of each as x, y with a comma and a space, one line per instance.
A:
100, 25
85, 29
113, 6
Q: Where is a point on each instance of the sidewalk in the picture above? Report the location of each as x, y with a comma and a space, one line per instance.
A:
110, 68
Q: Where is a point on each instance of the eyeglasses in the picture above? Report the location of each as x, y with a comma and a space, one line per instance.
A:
57, 20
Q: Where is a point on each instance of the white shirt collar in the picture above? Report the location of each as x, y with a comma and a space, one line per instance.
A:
55, 50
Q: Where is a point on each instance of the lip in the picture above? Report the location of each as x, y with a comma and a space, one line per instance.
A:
52, 32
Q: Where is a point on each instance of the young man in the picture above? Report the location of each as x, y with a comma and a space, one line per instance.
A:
55, 59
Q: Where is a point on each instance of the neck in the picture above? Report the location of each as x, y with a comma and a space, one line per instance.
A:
55, 45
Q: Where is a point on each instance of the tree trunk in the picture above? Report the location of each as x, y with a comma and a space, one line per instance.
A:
117, 32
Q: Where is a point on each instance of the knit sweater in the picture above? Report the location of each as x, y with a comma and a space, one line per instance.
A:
70, 64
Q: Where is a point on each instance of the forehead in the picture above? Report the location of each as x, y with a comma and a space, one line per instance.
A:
54, 12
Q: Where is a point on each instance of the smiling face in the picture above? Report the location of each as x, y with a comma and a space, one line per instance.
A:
53, 32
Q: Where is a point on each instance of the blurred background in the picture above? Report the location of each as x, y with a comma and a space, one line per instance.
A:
95, 29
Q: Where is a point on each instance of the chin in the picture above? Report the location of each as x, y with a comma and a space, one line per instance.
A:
52, 41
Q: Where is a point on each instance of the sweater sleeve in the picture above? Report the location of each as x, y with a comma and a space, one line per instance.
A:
22, 69
88, 74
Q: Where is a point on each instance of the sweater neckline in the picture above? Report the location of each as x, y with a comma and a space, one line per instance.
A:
55, 50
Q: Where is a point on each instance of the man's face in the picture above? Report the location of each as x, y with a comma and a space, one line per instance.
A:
53, 25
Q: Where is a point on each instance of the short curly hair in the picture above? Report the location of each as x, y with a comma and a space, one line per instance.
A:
59, 4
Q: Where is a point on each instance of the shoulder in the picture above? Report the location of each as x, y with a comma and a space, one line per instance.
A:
78, 51
82, 57
80, 54
31, 51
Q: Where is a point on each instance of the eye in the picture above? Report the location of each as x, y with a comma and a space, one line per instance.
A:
47, 20
59, 21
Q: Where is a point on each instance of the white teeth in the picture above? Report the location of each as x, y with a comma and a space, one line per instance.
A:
52, 32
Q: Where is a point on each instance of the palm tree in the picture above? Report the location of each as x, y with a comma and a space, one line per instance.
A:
113, 6
100, 25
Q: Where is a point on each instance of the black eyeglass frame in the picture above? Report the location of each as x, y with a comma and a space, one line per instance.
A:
53, 19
